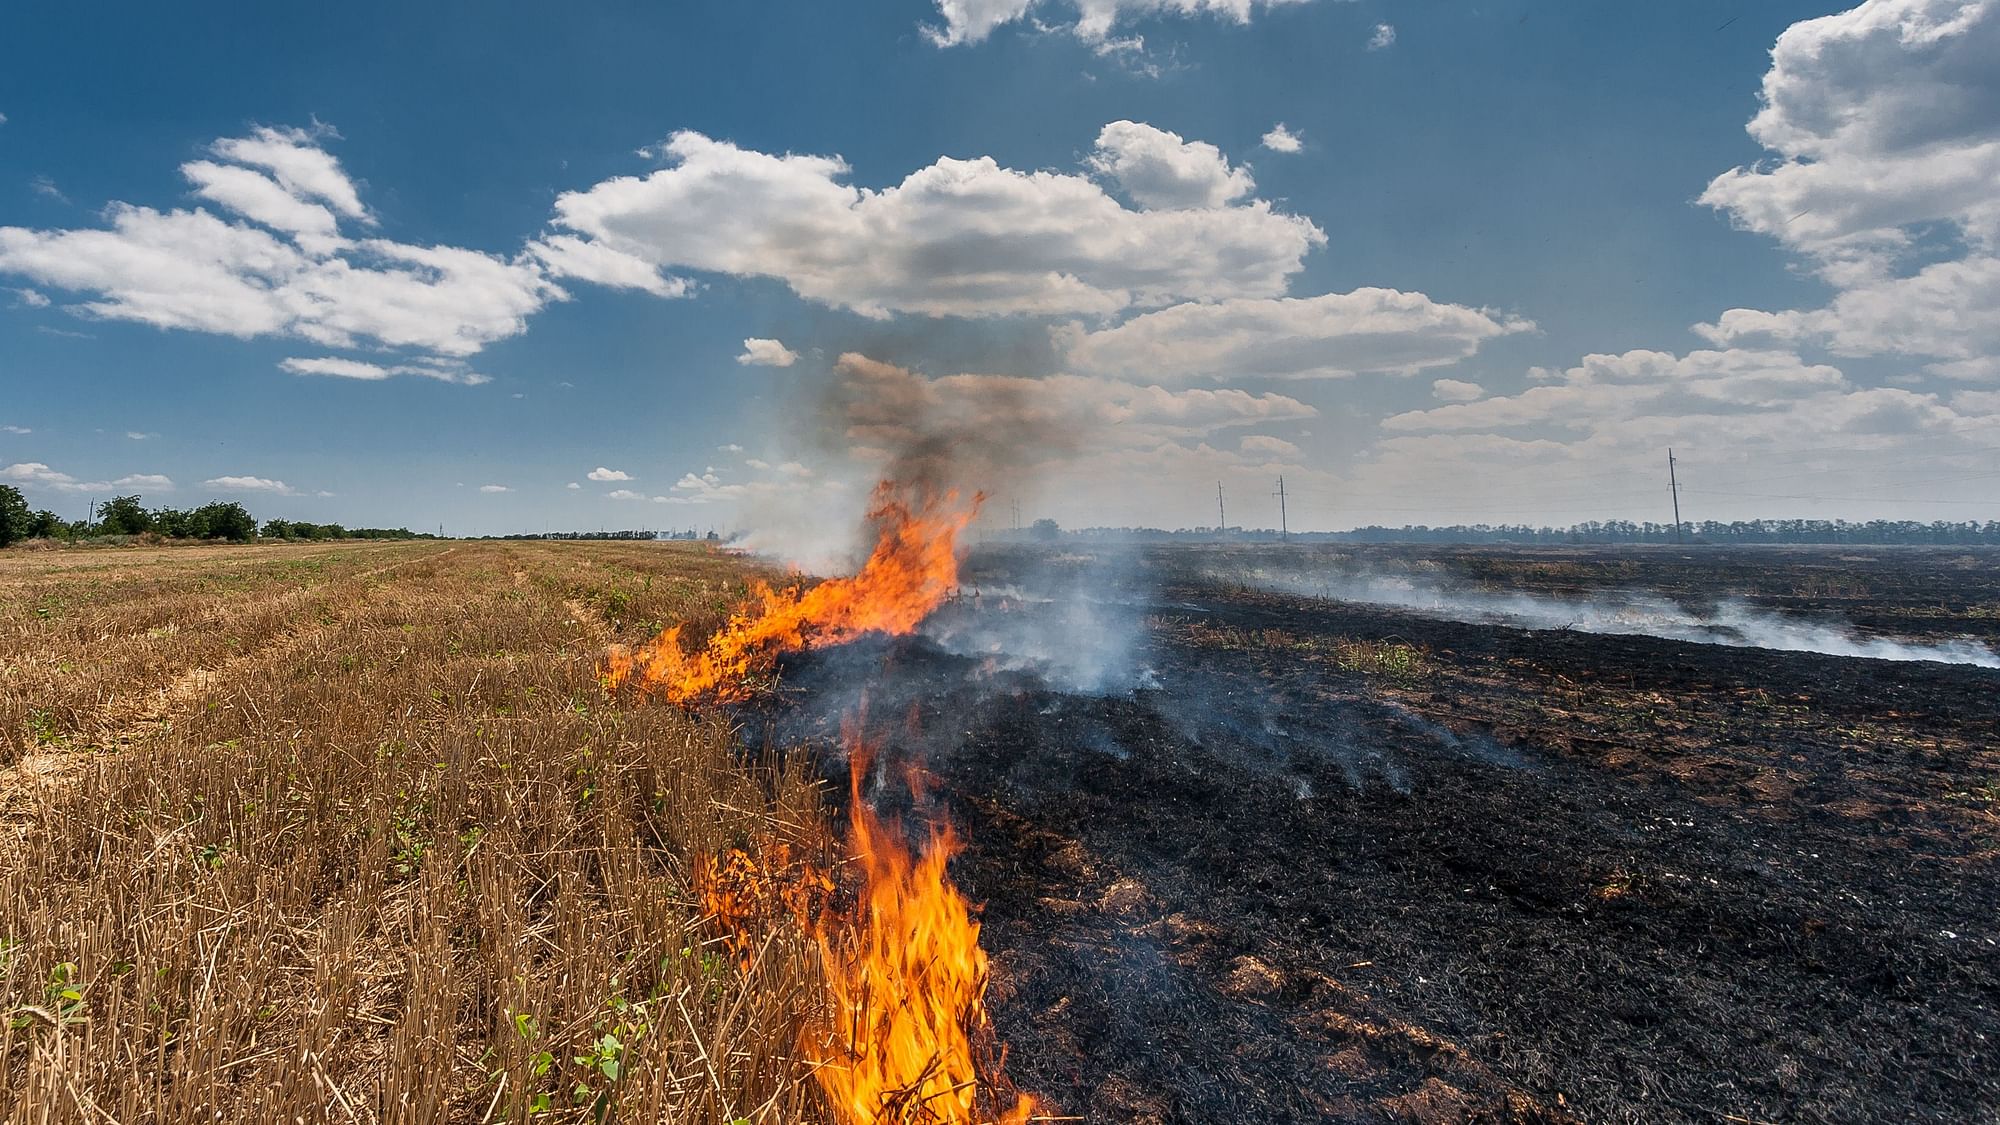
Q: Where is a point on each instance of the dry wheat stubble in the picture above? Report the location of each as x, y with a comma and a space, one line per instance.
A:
388, 855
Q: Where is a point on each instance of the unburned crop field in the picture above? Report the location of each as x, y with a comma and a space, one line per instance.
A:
356, 834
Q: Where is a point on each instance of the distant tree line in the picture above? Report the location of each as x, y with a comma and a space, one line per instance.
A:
1869, 532
1864, 533
127, 515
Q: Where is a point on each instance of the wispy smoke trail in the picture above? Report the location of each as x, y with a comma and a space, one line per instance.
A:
1731, 622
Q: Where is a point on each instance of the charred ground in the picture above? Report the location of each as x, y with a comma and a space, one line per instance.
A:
1324, 861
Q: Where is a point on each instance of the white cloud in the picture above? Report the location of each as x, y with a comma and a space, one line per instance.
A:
564, 255
1885, 120
251, 484
260, 199
1383, 38
960, 237
732, 447
494, 488
624, 494
277, 262
46, 186
443, 370
1605, 391
1159, 170
1944, 309
1264, 445
601, 473
139, 435
35, 473
572, 486
1977, 402
1982, 369
1281, 139
767, 353
30, 299
295, 157
1333, 335
970, 21
15, 430
1758, 432
1457, 390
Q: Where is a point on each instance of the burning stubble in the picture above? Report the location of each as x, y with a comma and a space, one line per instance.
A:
911, 570
905, 1037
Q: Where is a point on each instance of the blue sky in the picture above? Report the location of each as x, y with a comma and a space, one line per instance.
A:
1504, 264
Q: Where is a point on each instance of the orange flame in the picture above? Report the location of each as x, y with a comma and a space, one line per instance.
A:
912, 569
906, 1039
907, 982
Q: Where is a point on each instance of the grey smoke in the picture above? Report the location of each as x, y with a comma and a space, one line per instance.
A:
1732, 621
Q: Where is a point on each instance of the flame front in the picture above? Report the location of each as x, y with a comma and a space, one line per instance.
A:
906, 981
904, 1037
911, 570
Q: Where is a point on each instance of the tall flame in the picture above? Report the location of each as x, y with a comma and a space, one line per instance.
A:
910, 572
907, 983
905, 1039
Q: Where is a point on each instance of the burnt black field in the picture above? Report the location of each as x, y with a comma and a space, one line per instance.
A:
1311, 860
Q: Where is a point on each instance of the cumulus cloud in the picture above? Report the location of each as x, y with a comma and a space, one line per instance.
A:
766, 353
1383, 38
601, 473
564, 255
959, 237
1885, 124
30, 299
1944, 309
970, 21
251, 484
1281, 139
1588, 441
286, 253
1158, 169
1456, 390
1264, 445
624, 494
494, 488
443, 370
1333, 335
37, 474
1606, 390
572, 486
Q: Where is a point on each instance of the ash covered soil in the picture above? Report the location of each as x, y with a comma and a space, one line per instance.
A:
1306, 860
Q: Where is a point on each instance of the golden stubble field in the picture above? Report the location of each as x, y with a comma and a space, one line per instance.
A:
353, 833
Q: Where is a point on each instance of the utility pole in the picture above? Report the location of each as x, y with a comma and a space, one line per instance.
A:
1673, 482
1221, 514
1283, 531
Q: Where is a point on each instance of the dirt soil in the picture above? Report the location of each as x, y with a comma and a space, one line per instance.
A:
1322, 861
